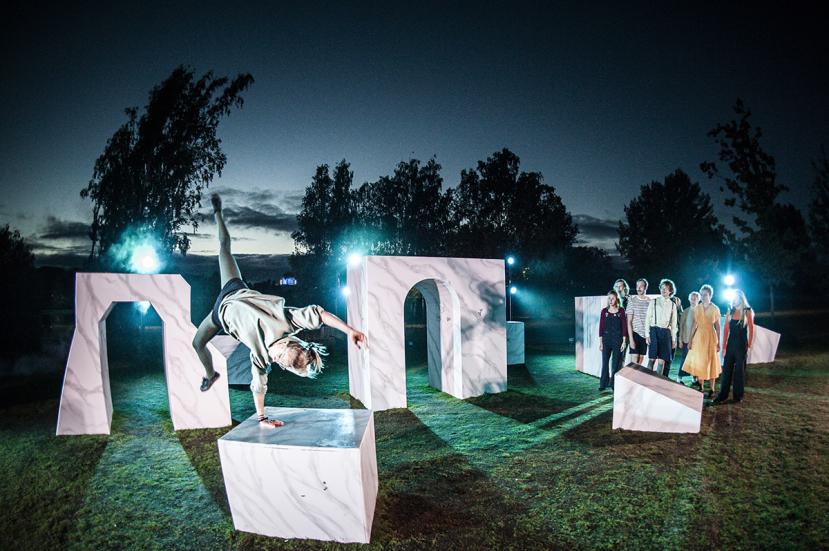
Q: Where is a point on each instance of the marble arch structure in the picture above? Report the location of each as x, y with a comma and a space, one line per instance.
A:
86, 404
466, 324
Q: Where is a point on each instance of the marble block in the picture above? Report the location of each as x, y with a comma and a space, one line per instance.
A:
86, 403
646, 401
764, 348
515, 342
466, 326
588, 313
314, 478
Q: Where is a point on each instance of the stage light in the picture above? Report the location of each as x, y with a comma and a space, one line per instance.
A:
345, 291
354, 259
513, 290
143, 306
144, 259
510, 260
729, 294
729, 280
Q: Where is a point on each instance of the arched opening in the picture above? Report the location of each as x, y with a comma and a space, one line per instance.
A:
431, 319
132, 348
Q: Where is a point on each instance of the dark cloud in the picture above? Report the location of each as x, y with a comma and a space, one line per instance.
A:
284, 201
597, 232
268, 218
56, 228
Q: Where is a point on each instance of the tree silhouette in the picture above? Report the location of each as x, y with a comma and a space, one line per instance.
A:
751, 181
671, 231
21, 301
819, 210
497, 210
150, 177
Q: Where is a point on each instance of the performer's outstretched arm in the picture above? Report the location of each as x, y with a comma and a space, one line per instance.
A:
354, 335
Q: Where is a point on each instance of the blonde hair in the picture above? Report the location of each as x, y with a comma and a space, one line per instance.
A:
708, 288
299, 357
745, 306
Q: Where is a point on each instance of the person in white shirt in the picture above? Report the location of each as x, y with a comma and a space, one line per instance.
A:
636, 311
264, 324
662, 327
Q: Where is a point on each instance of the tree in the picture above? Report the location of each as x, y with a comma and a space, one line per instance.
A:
497, 209
671, 230
150, 177
21, 302
751, 181
819, 210
406, 213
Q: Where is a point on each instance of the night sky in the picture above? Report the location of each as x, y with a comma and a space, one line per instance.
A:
600, 100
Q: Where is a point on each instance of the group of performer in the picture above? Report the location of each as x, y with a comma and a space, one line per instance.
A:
658, 328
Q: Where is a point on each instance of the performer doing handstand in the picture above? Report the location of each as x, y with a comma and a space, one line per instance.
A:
264, 324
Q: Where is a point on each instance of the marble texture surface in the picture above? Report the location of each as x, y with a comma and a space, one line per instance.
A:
646, 401
515, 342
588, 313
764, 348
86, 403
466, 326
314, 478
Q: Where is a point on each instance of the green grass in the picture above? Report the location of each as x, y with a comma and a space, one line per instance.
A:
535, 467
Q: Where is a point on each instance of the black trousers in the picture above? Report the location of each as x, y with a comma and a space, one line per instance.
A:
734, 369
610, 349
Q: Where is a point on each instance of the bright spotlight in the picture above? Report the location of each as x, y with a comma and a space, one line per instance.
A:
143, 306
144, 260
513, 290
345, 291
729, 280
510, 260
729, 295
354, 259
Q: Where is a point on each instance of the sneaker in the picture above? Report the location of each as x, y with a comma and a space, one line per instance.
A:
207, 383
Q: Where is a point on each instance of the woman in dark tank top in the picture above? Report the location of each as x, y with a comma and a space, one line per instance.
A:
738, 336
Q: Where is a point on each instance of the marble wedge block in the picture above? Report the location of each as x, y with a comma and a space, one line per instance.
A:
86, 402
764, 348
588, 311
314, 478
646, 401
466, 326
515, 342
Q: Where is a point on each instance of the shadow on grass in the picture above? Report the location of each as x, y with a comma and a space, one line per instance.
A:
653, 447
202, 449
522, 407
45, 477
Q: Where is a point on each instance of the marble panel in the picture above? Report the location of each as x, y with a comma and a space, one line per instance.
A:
515, 342
314, 478
466, 325
86, 403
643, 400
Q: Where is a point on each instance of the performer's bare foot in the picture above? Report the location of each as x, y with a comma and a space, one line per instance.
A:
216, 201
271, 423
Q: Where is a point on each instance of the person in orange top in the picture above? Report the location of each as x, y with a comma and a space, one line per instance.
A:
738, 336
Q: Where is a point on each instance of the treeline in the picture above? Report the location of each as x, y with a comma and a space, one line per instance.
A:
497, 209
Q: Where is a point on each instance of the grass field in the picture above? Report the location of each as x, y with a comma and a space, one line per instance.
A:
537, 466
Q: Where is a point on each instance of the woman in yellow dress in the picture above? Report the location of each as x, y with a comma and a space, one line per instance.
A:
703, 360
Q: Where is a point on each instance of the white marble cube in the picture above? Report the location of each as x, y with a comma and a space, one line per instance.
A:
314, 478
466, 326
515, 342
646, 401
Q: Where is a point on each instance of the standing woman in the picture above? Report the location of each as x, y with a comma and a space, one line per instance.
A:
613, 333
703, 360
738, 336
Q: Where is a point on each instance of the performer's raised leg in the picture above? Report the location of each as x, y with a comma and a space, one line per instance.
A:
228, 269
